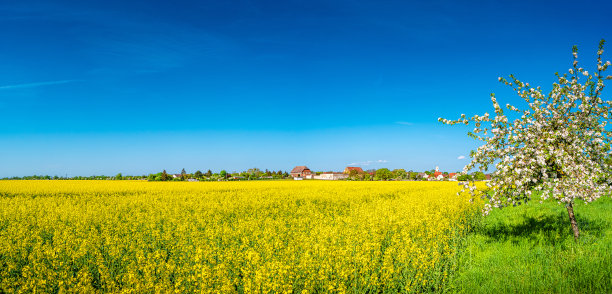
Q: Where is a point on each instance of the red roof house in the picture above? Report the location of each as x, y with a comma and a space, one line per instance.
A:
348, 169
300, 171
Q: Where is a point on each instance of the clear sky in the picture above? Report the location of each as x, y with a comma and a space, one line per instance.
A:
101, 87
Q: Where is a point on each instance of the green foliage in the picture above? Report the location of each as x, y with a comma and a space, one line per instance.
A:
354, 175
399, 174
254, 172
464, 177
383, 174
479, 176
413, 175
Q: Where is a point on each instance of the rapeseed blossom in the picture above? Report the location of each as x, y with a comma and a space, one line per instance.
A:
246, 237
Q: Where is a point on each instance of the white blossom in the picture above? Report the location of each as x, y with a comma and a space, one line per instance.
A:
557, 145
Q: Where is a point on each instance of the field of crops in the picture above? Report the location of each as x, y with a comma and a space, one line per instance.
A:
245, 237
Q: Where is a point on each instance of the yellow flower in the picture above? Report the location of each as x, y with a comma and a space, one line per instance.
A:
226, 237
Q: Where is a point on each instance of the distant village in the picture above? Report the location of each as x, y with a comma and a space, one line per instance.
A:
357, 173
302, 172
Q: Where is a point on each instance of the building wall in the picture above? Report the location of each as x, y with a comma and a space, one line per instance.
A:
334, 176
306, 174
347, 171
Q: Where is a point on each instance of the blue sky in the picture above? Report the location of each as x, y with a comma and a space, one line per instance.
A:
101, 87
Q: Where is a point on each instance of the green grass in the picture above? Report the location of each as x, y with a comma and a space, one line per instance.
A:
531, 249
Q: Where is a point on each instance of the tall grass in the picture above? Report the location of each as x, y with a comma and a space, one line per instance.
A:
531, 249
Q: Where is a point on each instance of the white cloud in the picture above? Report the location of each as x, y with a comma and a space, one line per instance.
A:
404, 123
461, 157
33, 85
369, 162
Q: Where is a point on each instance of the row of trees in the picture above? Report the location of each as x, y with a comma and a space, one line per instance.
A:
119, 176
382, 174
250, 174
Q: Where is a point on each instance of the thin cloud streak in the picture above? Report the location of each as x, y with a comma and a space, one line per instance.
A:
461, 157
34, 85
404, 123
369, 162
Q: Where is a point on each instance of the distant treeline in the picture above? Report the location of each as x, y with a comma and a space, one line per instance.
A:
250, 174
41, 177
382, 174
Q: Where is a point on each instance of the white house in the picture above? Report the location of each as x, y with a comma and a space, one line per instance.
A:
331, 176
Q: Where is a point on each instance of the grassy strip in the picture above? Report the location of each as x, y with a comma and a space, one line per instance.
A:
530, 249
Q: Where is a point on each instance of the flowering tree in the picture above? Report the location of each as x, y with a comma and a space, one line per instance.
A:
559, 145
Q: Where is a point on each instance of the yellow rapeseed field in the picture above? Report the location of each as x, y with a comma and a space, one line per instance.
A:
245, 237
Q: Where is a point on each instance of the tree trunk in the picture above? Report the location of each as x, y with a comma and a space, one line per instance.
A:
570, 212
